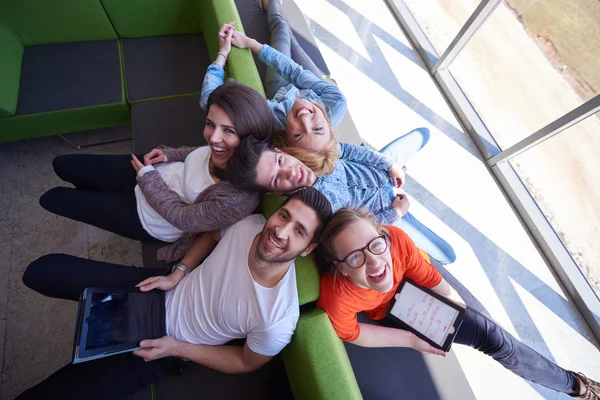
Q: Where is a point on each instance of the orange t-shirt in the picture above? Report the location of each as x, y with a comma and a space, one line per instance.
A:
344, 301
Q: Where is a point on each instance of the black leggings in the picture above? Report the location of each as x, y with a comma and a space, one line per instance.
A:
65, 277
103, 195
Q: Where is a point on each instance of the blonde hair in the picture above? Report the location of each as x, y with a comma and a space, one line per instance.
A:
325, 253
320, 162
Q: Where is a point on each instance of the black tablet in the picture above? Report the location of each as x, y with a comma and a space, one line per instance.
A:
430, 316
113, 321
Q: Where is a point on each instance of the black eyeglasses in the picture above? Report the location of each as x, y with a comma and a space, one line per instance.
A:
357, 258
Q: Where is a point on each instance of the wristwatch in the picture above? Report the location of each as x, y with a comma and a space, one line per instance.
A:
181, 266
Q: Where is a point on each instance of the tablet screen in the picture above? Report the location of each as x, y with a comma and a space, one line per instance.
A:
424, 313
120, 318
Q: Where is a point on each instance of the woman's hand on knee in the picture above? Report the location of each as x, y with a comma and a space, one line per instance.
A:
154, 157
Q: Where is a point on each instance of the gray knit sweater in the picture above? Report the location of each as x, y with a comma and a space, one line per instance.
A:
218, 206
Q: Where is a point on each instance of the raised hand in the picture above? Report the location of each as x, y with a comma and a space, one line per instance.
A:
225, 34
240, 40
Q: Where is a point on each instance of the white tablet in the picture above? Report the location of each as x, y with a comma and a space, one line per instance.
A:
428, 315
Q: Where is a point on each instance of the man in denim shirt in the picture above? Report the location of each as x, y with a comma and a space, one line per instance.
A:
361, 179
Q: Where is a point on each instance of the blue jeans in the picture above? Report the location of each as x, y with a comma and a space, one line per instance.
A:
483, 334
401, 151
283, 40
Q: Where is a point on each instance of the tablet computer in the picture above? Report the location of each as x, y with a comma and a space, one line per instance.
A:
112, 321
429, 315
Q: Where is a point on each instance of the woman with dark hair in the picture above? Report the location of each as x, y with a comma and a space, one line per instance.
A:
176, 192
362, 265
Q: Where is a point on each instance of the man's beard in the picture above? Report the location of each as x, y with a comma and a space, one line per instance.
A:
281, 258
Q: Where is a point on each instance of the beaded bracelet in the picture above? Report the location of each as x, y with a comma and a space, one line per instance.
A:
223, 54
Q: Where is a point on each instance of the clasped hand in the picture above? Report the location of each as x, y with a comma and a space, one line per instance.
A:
228, 35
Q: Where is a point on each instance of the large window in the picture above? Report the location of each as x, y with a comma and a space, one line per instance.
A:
563, 176
441, 19
529, 70
530, 63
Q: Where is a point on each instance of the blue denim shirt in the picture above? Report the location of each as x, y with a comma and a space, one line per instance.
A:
303, 84
214, 78
360, 180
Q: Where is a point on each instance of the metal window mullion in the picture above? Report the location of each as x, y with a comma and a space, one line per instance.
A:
413, 31
571, 118
475, 21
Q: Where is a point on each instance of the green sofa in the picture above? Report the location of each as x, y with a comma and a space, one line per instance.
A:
72, 65
77, 65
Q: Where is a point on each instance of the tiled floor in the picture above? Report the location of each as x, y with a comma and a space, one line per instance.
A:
389, 93
36, 333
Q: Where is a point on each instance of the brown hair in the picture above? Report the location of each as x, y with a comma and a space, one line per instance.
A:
341, 219
322, 162
243, 163
247, 108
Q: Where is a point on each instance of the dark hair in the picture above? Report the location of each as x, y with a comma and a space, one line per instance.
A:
325, 253
243, 163
318, 202
246, 107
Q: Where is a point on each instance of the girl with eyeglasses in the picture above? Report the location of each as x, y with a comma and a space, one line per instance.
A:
362, 264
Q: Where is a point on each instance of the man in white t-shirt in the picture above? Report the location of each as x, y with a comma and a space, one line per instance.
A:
245, 288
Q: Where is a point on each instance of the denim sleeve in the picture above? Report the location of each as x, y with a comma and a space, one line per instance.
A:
364, 155
388, 217
331, 96
214, 78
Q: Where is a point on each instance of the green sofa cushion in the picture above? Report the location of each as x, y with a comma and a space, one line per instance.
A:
11, 54
316, 361
164, 66
64, 121
146, 18
62, 76
307, 280
53, 21
240, 65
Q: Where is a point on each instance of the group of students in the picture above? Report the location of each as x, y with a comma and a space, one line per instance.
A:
345, 206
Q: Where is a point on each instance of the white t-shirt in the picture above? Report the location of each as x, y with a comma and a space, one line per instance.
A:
188, 179
220, 301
